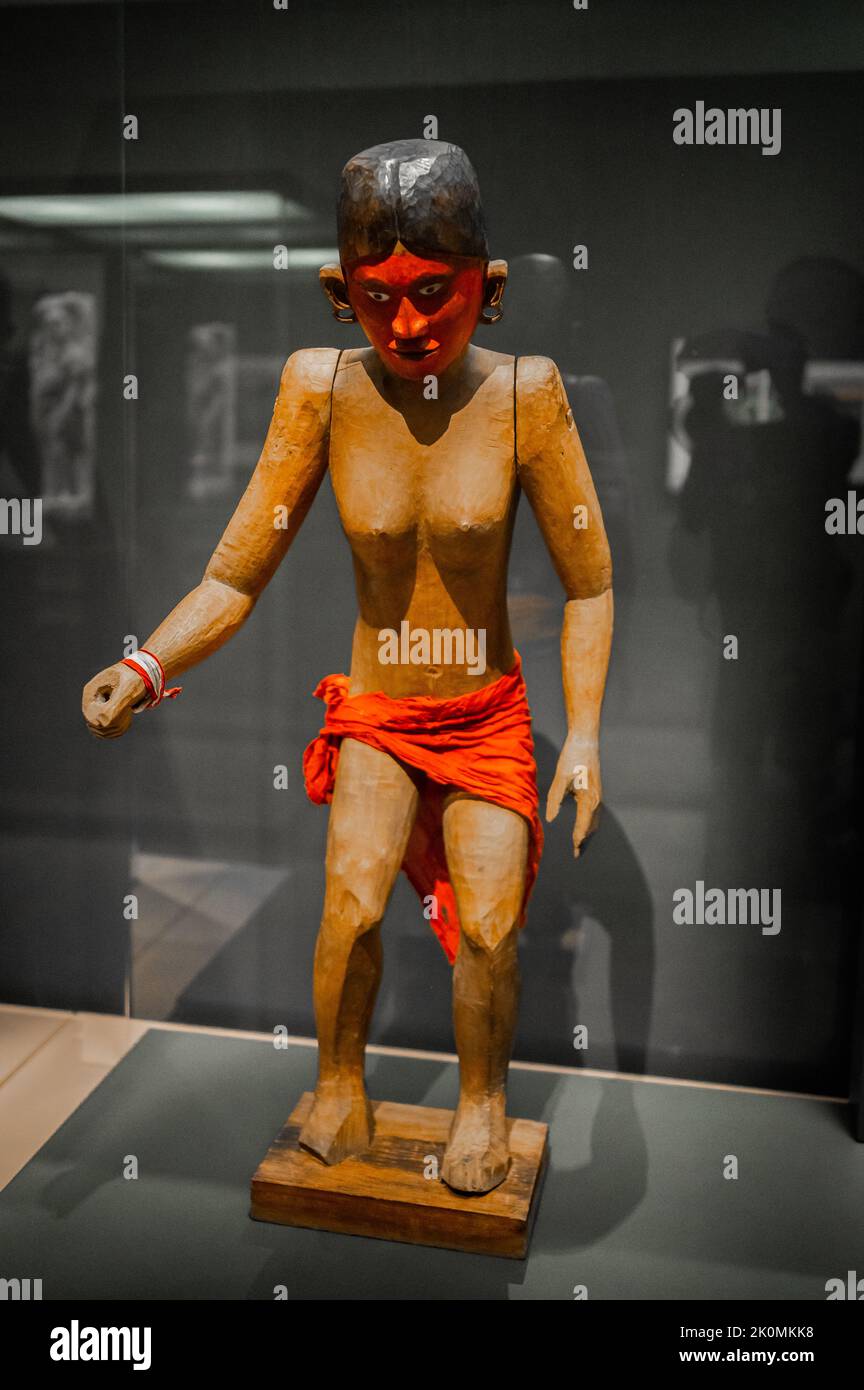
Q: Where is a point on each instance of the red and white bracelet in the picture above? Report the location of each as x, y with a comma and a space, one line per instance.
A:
152, 673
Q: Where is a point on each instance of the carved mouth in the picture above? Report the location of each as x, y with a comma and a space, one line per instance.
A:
414, 354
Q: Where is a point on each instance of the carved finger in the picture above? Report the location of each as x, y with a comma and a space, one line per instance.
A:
556, 795
585, 807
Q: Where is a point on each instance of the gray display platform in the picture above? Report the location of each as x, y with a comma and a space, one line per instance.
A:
635, 1204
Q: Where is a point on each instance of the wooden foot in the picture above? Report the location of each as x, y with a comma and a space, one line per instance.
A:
394, 1191
337, 1127
478, 1151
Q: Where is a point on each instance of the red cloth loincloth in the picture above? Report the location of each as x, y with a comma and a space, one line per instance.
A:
479, 742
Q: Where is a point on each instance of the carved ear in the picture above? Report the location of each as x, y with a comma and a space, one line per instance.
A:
493, 291
496, 279
332, 282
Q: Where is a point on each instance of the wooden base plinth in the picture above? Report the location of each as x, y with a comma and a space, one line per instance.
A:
385, 1193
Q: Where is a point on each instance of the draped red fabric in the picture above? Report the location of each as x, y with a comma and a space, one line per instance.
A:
480, 743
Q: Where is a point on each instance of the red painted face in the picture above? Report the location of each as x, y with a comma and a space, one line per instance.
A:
418, 314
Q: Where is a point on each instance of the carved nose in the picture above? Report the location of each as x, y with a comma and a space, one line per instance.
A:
408, 323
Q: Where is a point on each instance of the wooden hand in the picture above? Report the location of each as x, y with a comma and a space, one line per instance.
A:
578, 774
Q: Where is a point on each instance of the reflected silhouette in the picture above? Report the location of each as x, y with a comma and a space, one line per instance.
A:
606, 887
756, 491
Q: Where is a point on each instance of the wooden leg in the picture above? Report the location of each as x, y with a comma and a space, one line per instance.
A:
373, 810
487, 848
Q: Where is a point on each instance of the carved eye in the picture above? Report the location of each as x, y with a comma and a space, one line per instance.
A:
378, 295
429, 290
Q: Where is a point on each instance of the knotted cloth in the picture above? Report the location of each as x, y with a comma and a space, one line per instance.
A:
480, 743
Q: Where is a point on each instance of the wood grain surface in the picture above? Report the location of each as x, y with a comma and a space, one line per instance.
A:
385, 1193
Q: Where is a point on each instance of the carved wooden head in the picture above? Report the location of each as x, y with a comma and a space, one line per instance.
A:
415, 267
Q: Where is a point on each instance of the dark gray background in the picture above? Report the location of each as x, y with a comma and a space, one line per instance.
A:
567, 118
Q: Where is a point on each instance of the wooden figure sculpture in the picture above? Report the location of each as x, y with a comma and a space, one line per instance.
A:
426, 752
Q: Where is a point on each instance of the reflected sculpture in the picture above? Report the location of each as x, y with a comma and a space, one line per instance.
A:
63, 375
211, 391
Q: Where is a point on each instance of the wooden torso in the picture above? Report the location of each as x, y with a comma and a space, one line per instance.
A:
426, 492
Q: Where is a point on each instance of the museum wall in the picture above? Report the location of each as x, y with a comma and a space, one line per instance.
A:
178, 873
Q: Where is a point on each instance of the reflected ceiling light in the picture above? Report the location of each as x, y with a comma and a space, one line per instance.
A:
295, 258
153, 209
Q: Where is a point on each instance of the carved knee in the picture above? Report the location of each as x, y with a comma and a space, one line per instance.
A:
489, 928
356, 898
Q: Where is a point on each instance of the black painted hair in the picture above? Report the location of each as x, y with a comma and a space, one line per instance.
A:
423, 193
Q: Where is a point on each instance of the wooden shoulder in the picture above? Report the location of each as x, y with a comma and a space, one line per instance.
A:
541, 401
533, 373
309, 373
